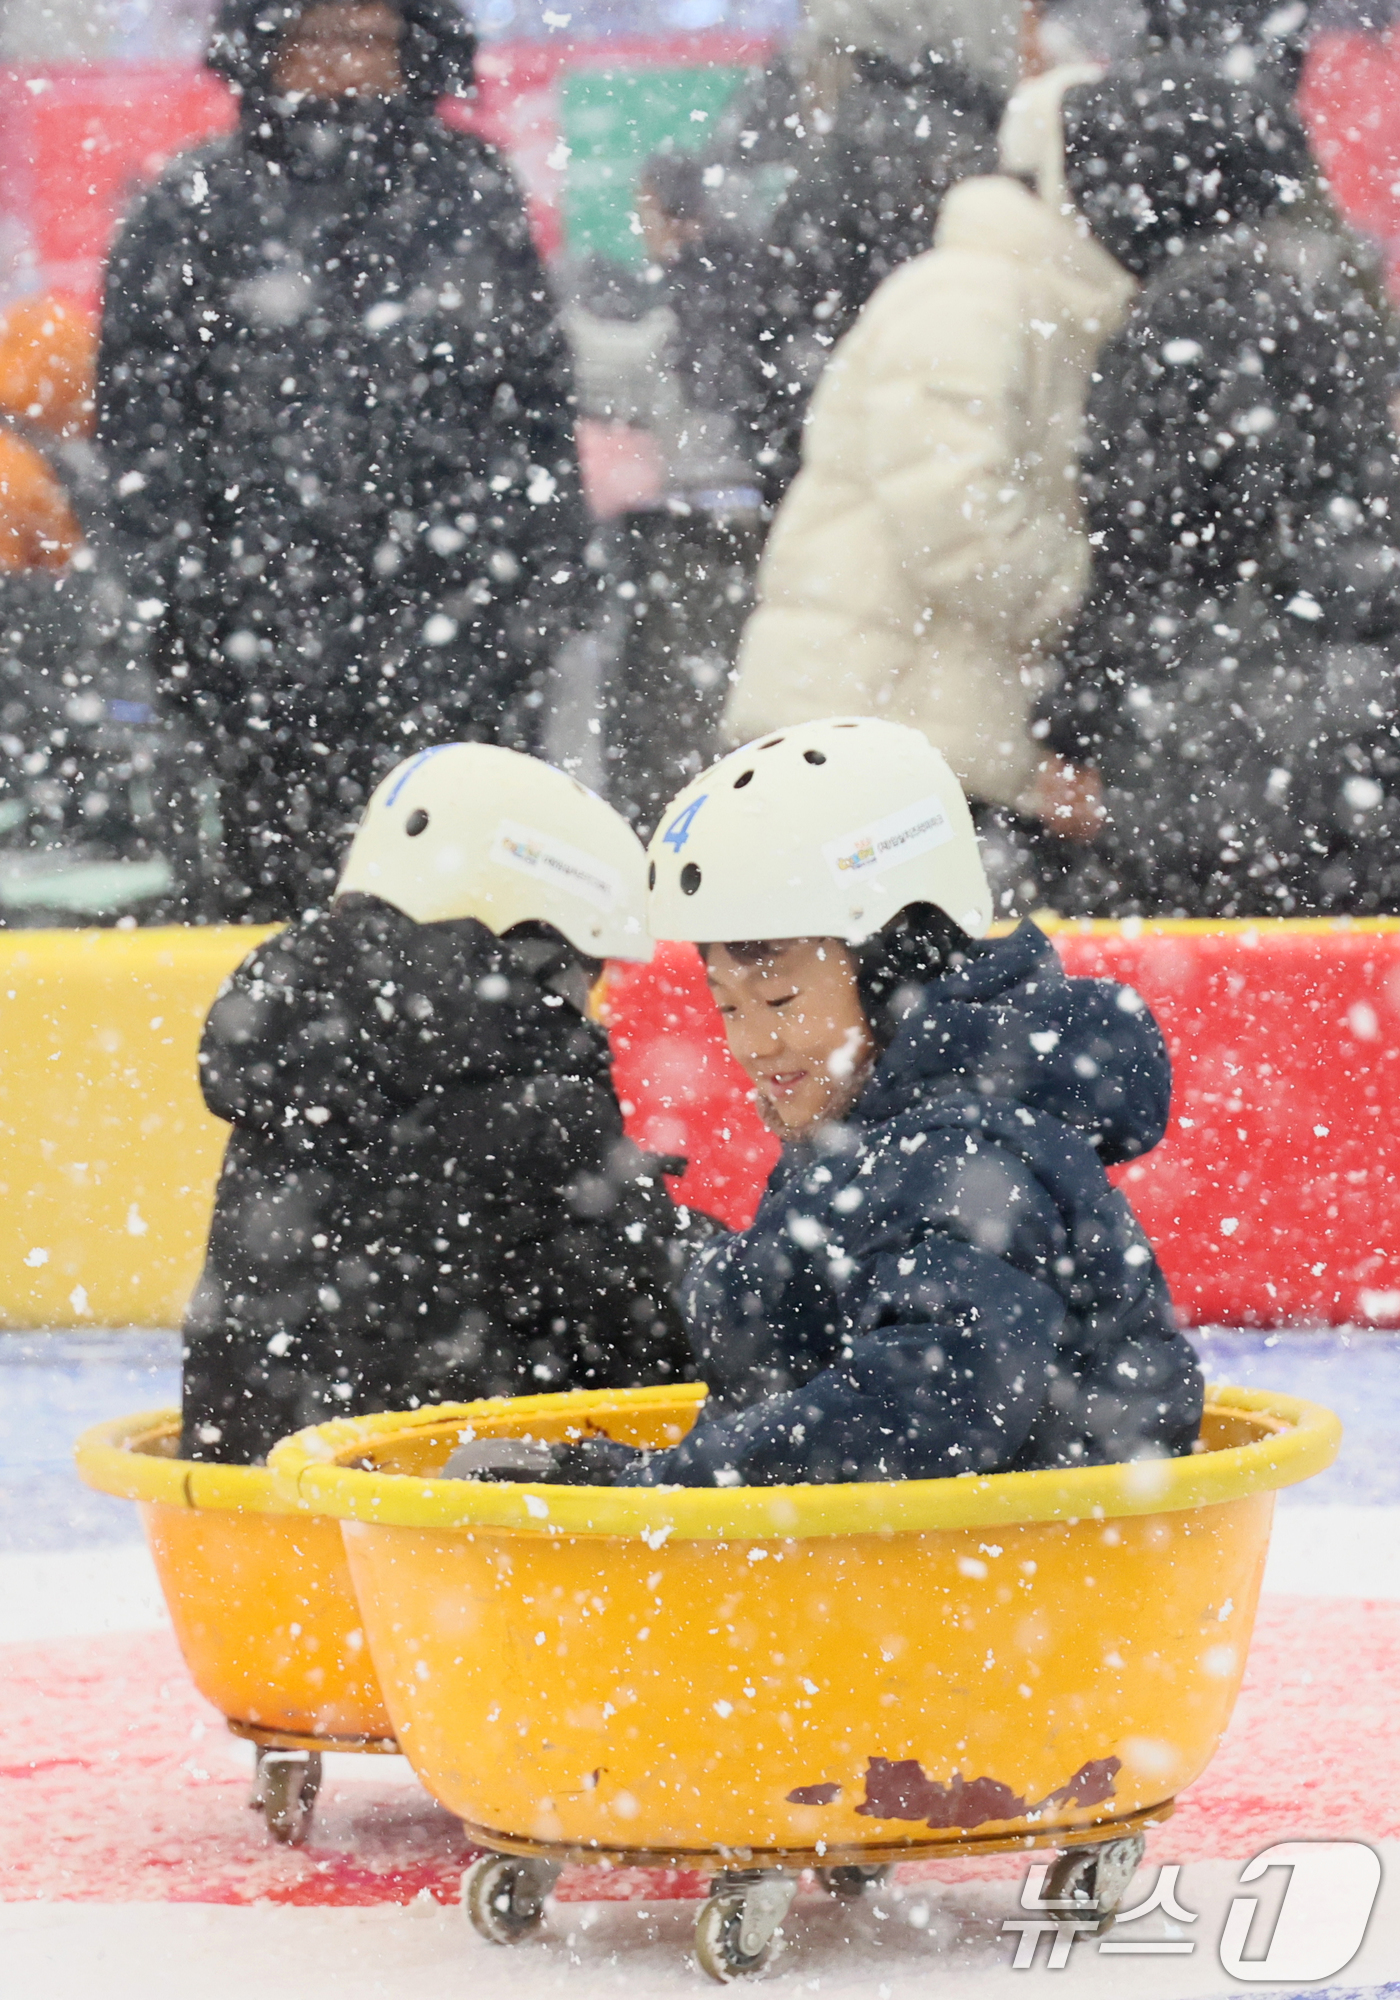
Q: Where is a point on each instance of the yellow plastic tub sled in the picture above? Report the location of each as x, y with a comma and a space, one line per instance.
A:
261, 1601
769, 1679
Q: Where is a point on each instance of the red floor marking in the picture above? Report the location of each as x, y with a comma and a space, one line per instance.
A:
107, 1798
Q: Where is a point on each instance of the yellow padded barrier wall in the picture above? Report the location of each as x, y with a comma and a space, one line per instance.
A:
108, 1157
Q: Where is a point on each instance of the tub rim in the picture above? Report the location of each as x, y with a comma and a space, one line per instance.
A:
110, 1457
307, 1470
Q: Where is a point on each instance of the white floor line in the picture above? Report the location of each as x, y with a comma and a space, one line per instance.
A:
57, 1595
906, 1943
1335, 1552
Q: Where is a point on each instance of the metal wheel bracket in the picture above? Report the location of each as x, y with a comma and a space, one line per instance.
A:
504, 1895
1093, 1881
766, 1900
851, 1881
286, 1784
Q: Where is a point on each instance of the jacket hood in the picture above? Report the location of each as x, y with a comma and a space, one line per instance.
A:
1032, 136
1009, 1024
1163, 150
979, 36
357, 1015
437, 52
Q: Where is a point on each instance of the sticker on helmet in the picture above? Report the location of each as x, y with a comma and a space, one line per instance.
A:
678, 832
886, 842
407, 770
530, 852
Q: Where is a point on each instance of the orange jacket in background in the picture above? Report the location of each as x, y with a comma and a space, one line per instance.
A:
37, 526
48, 352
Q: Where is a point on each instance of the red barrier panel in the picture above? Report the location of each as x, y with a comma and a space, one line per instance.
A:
1350, 101
79, 141
77, 145
681, 1090
1270, 1201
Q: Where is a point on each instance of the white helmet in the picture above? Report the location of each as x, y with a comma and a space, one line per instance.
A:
827, 829
472, 830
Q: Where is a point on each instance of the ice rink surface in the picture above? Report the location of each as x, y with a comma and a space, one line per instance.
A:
132, 1867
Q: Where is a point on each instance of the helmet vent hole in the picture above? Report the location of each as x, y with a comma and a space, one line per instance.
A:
771, 744
690, 879
416, 823
740, 782
814, 756
651, 876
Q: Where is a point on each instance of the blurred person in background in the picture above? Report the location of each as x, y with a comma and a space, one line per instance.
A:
760, 140
931, 553
903, 101
1258, 42
99, 814
1228, 706
338, 407
679, 584
1264, 44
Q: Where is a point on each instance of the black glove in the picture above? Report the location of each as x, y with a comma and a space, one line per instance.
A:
593, 1461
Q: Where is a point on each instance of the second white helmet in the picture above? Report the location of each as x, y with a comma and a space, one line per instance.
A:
473, 830
827, 829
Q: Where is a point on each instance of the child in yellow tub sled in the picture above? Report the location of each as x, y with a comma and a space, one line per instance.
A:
940, 1278
427, 1194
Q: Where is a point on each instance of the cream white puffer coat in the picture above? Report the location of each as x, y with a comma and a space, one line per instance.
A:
932, 544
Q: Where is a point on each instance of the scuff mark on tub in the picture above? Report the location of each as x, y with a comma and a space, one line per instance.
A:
901, 1789
814, 1795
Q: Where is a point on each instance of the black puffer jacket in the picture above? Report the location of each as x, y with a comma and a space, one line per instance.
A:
865, 203
1232, 675
949, 1283
338, 406
427, 1194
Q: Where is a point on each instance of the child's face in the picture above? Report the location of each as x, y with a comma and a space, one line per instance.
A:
796, 1028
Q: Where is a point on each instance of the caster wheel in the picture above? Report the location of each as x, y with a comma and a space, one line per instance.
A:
1095, 1879
718, 1949
851, 1882
736, 1933
285, 1786
504, 1896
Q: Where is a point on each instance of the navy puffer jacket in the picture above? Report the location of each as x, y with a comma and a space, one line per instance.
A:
948, 1282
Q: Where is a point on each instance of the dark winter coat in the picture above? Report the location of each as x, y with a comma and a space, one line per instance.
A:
866, 203
710, 291
337, 400
1232, 675
427, 1194
100, 804
1259, 39
948, 1283
680, 584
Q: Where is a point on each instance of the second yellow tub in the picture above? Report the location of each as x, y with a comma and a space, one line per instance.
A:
260, 1597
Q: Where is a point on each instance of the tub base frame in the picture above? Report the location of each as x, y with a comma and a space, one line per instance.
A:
287, 1774
793, 1860
751, 1892
291, 1739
